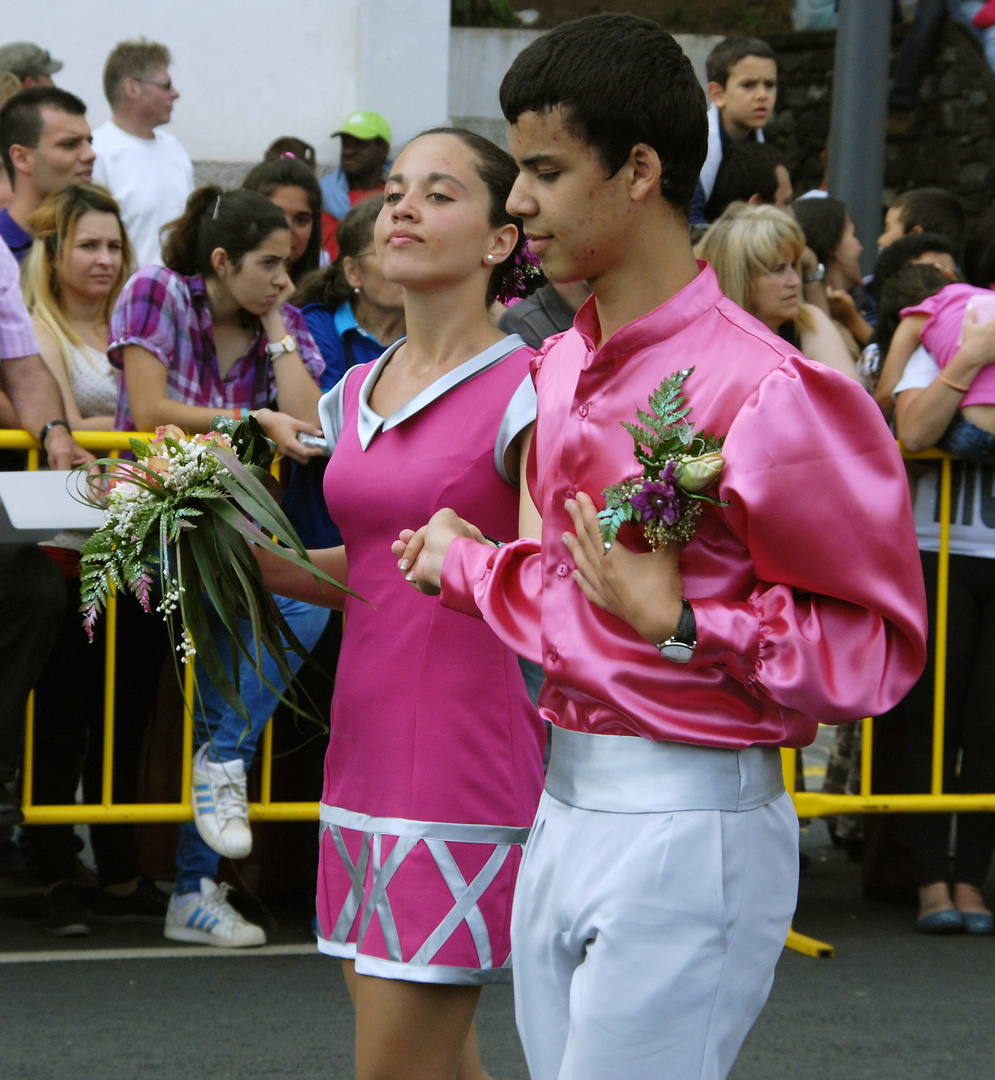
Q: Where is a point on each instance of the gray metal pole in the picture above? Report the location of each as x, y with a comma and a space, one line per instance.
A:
859, 116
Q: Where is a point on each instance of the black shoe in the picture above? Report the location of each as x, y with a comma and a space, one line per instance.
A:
148, 903
63, 914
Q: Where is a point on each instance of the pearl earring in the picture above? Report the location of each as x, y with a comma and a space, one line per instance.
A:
490, 258
356, 290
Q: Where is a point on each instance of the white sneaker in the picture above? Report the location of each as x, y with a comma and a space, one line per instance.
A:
208, 919
221, 805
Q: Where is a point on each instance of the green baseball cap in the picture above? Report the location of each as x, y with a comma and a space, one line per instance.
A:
23, 59
364, 125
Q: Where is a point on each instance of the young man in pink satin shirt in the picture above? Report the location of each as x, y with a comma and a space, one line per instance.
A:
660, 877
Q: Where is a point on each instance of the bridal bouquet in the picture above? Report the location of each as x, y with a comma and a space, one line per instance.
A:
179, 522
679, 464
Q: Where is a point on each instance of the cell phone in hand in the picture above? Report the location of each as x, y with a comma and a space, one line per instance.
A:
314, 440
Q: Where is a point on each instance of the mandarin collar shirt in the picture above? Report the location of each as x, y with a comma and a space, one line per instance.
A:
806, 587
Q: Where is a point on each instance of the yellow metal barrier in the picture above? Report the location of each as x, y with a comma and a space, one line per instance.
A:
108, 812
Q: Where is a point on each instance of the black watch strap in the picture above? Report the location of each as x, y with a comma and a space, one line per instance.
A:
43, 435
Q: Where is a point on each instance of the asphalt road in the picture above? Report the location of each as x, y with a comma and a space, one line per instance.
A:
125, 1005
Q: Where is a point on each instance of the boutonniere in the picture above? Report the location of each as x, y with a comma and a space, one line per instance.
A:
679, 465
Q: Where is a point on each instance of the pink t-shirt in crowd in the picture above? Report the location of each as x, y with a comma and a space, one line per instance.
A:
943, 329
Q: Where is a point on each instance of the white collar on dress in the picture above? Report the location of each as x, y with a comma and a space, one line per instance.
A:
369, 423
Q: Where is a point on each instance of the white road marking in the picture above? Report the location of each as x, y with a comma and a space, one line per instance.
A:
188, 952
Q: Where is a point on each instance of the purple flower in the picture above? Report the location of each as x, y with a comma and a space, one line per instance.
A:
659, 500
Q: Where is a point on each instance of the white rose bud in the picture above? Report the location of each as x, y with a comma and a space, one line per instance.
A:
696, 474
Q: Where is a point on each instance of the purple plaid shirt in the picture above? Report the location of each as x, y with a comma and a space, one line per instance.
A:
168, 314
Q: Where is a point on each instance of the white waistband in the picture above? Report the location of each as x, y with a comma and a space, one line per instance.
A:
627, 775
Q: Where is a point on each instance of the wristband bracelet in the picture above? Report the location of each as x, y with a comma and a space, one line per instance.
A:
953, 386
48, 427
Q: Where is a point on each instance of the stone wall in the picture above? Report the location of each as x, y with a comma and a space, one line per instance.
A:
948, 141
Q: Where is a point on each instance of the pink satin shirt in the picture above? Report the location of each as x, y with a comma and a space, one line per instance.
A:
806, 588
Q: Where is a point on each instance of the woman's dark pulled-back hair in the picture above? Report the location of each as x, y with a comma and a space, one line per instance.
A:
236, 221
823, 222
497, 169
354, 236
620, 80
274, 173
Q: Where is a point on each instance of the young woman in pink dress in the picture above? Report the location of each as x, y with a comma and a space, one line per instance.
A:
434, 766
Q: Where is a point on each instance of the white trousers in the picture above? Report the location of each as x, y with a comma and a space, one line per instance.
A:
644, 944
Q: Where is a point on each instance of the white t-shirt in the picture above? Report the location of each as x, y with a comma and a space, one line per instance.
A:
972, 489
150, 178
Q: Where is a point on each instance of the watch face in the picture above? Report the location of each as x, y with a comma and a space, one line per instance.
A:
677, 652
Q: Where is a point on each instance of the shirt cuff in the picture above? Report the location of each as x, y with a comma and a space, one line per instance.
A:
465, 564
728, 637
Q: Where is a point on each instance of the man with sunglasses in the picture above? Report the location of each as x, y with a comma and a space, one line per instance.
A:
145, 168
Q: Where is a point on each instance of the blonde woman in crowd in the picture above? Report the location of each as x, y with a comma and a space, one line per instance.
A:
755, 251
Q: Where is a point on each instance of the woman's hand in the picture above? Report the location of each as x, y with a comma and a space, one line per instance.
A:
841, 306
282, 428
843, 309
643, 589
421, 553
272, 318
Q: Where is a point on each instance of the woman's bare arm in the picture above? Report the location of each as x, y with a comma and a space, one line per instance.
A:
53, 359
824, 344
285, 579
922, 416
904, 342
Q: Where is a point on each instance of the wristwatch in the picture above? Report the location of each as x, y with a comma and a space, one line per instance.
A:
680, 648
278, 348
818, 274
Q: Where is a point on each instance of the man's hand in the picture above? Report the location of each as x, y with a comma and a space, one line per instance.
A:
421, 554
63, 451
643, 589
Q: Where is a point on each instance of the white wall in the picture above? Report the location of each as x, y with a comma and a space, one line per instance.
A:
250, 70
478, 60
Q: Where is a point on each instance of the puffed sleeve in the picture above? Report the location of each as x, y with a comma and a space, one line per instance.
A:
835, 625
145, 314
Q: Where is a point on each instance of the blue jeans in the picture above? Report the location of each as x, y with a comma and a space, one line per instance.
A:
216, 721
967, 440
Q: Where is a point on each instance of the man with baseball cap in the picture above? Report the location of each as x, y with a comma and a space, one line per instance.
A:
360, 174
32, 64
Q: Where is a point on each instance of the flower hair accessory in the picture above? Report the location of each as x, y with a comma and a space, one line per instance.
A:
523, 278
678, 465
